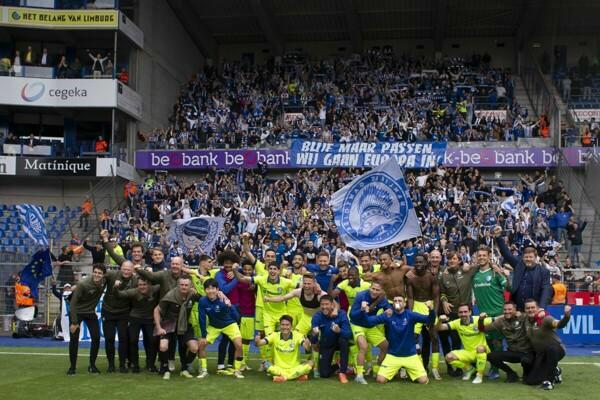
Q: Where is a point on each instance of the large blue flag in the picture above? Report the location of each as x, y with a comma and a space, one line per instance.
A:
33, 223
198, 234
375, 209
38, 268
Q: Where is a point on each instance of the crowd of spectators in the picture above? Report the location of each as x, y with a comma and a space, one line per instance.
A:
91, 63
457, 210
375, 97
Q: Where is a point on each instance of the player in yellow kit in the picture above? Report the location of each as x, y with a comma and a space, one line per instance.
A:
475, 347
351, 286
286, 352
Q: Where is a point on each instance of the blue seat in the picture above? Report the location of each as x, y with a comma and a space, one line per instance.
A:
46, 215
14, 227
6, 241
14, 220
22, 249
21, 235
17, 242
3, 207
14, 214
12, 207
51, 208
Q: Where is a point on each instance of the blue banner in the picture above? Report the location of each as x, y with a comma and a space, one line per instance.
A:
583, 327
307, 154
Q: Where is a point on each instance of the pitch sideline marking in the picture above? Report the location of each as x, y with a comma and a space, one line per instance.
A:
23, 353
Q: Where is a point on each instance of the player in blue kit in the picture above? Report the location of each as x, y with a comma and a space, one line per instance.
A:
402, 350
331, 330
368, 303
221, 320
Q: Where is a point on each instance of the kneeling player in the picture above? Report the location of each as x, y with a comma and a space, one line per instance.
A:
475, 347
332, 332
402, 349
286, 352
221, 320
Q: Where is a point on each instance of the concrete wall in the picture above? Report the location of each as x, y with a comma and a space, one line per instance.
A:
501, 56
43, 191
576, 46
168, 60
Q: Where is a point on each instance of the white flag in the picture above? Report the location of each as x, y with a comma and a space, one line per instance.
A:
199, 234
375, 209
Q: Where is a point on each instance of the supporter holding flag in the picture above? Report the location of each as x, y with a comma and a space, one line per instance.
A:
38, 268
33, 223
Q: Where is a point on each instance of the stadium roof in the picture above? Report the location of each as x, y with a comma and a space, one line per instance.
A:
277, 22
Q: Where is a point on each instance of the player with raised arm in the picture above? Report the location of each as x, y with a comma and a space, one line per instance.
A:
368, 303
308, 295
402, 350
475, 347
331, 331
286, 352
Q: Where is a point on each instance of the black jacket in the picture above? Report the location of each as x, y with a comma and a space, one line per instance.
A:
97, 255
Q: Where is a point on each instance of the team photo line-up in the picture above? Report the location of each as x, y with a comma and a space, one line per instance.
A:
337, 315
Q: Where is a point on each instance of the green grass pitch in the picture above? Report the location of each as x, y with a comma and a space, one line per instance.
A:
40, 373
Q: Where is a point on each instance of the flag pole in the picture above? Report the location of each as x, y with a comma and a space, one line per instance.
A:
48, 288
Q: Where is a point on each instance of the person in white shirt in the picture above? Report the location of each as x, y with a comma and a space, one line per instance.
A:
44, 59
17, 66
343, 254
252, 225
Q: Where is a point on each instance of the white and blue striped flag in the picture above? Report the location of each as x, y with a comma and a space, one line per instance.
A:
198, 234
375, 209
33, 223
510, 205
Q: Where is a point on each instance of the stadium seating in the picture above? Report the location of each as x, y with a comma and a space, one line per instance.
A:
14, 240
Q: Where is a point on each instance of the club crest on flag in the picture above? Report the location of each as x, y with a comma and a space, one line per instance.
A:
33, 223
375, 209
381, 209
199, 234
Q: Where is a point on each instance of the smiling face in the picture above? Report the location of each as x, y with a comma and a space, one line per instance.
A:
464, 313
97, 275
376, 290
483, 258
176, 264
509, 311
323, 261
531, 309
273, 271
326, 307
285, 326
435, 258
270, 257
